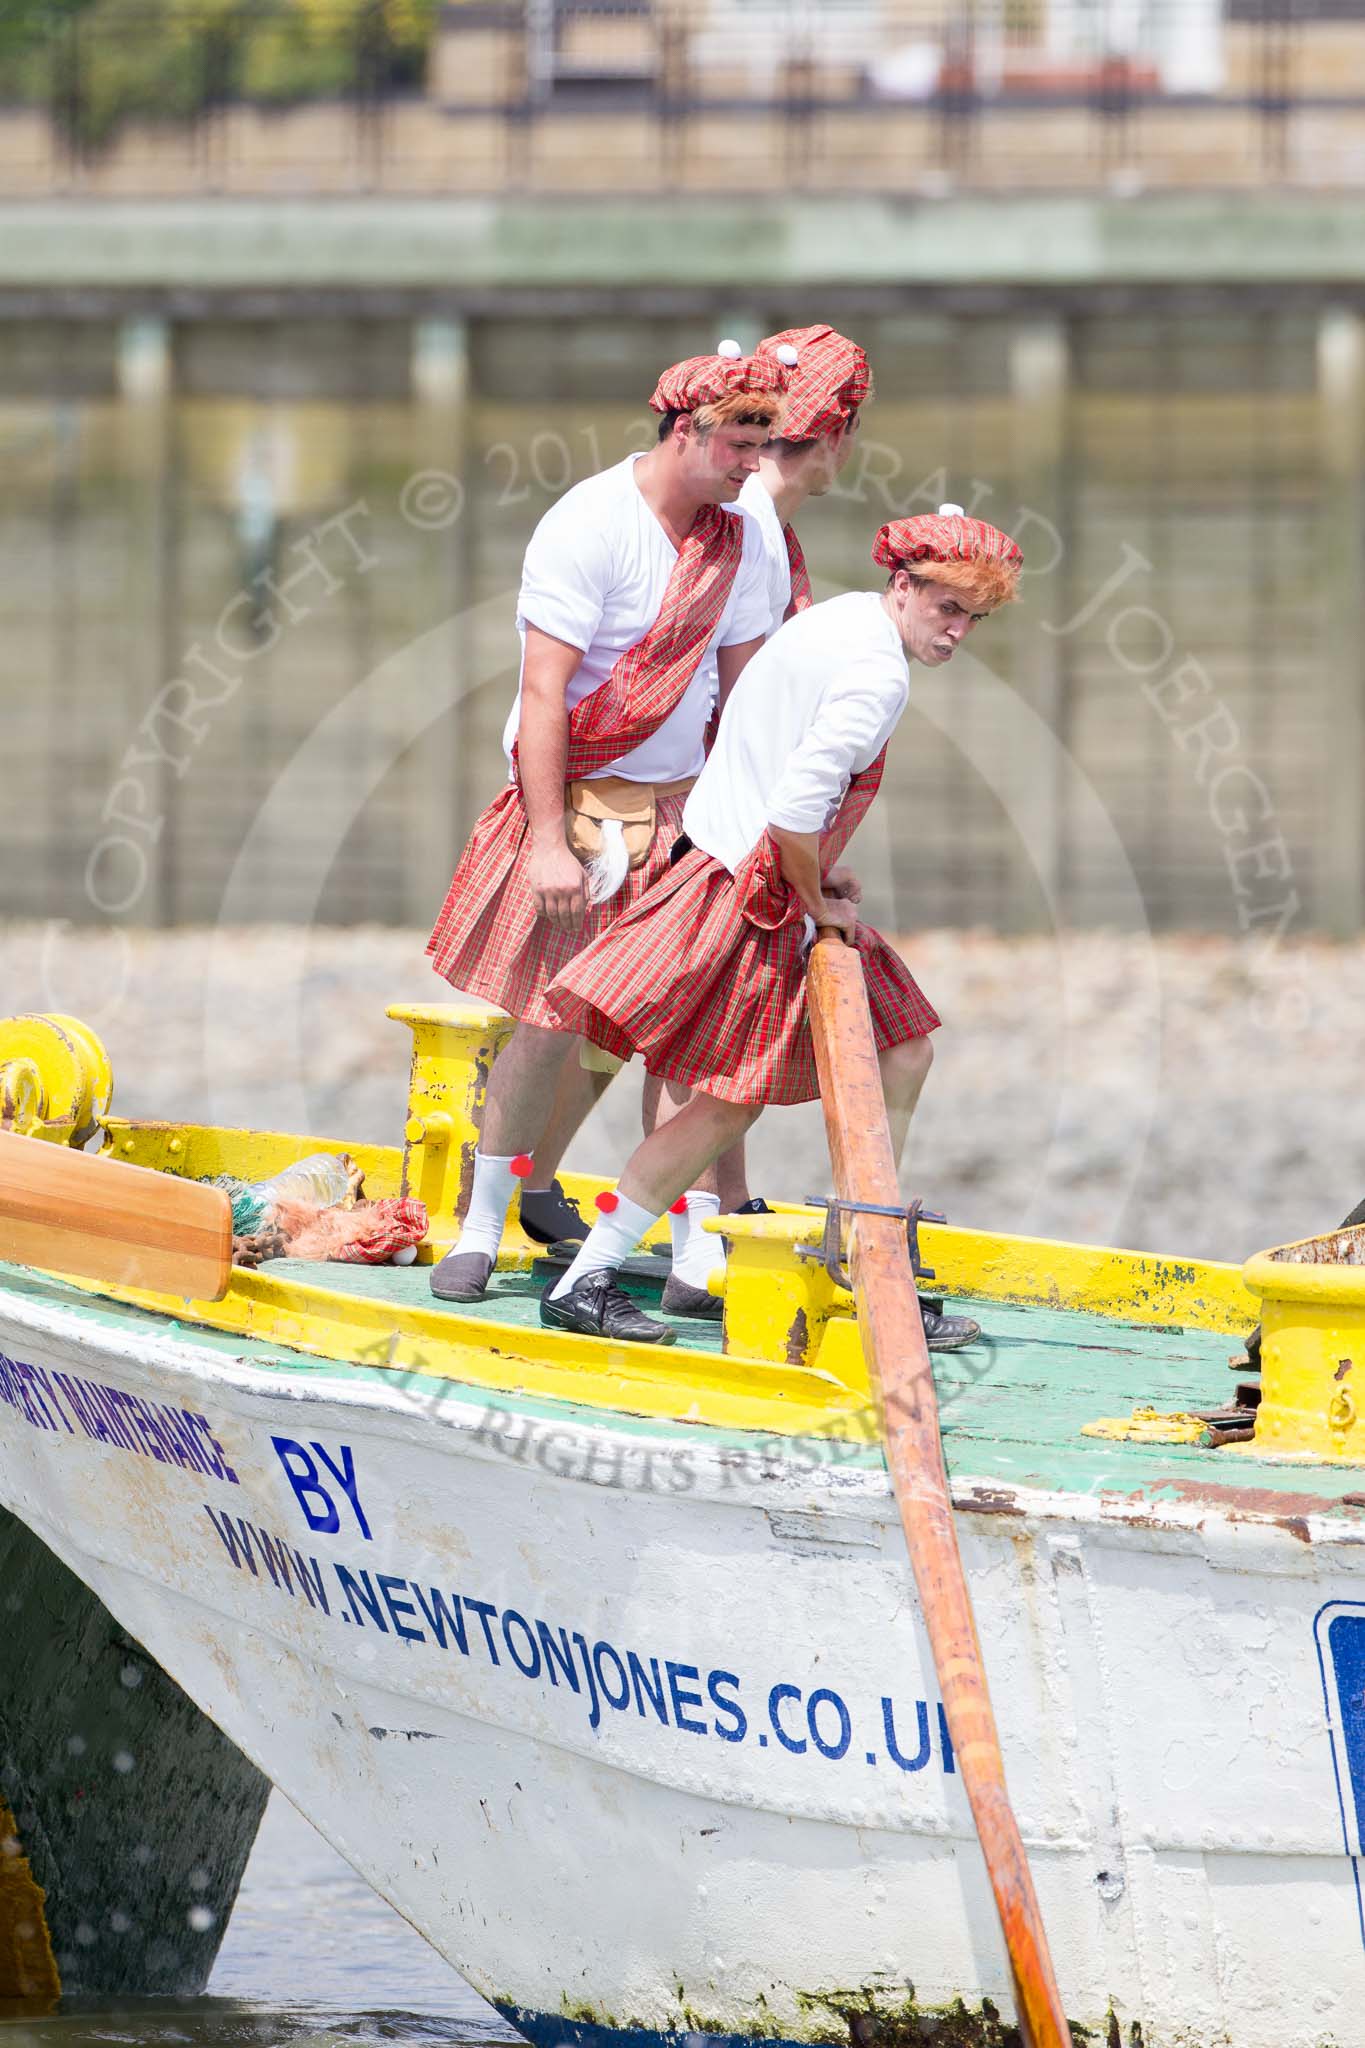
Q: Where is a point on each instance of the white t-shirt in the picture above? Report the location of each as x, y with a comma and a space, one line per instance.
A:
754, 500
814, 707
759, 508
595, 575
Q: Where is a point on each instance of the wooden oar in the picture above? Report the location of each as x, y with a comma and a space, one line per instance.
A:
903, 1383
80, 1213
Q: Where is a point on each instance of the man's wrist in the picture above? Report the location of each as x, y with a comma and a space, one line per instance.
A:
549, 838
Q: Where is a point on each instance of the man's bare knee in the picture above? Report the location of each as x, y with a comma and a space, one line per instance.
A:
728, 1122
739, 1118
905, 1066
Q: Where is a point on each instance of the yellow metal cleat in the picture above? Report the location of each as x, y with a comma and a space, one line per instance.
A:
55, 1079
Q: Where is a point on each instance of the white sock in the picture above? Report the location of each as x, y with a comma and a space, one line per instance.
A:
696, 1254
679, 1224
489, 1199
612, 1238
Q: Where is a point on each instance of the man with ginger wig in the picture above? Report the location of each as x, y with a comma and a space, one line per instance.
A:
630, 581
706, 975
828, 381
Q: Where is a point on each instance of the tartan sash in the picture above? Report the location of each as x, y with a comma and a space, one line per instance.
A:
650, 679
765, 898
801, 599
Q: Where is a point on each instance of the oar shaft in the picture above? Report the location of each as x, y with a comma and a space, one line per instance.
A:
898, 1361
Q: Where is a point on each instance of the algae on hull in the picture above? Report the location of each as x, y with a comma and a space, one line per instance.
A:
869, 2021
865, 2018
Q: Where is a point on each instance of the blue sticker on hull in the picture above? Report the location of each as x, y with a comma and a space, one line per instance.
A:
1339, 1629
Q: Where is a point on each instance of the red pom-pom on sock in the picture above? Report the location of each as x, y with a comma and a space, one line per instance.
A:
523, 1165
678, 1208
607, 1201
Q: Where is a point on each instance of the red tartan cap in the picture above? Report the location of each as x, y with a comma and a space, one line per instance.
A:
829, 375
971, 555
728, 374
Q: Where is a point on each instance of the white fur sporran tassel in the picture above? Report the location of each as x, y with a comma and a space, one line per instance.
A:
607, 870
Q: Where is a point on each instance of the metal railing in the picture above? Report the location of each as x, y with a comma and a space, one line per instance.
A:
482, 95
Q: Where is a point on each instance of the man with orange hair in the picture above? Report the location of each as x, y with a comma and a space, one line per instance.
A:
630, 582
828, 380
706, 975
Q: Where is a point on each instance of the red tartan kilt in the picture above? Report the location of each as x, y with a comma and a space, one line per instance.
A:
715, 1002
488, 940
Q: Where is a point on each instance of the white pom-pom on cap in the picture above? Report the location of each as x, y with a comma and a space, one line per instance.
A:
406, 1255
951, 512
787, 356
731, 350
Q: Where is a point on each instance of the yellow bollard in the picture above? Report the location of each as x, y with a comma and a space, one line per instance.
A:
777, 1301
453, 1049
1312, 1349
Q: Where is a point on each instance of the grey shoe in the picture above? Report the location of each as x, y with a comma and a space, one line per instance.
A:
462, 1276
681, 1298
946, 1333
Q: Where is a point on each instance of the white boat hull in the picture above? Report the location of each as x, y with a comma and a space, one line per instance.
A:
678, 1765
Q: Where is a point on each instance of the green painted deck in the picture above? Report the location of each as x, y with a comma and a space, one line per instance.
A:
512, 1297
1012, 1405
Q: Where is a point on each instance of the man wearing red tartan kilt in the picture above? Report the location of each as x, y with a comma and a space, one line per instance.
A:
640, 592
828, 381
706, 975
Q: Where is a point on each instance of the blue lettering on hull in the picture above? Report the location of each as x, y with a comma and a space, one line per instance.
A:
608, 1679
66, 1405
304, 1468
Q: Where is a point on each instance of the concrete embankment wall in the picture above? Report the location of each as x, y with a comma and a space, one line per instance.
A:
272, 466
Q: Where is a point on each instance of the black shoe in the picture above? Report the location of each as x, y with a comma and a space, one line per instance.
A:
597, 1307
946, 1333
681, 1298
461, 1276
755, 1206
547, 1215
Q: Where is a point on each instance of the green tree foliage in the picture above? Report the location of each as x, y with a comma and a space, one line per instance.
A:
98, 63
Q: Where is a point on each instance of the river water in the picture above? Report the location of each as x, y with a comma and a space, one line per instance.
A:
312, 1959
1188, 550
